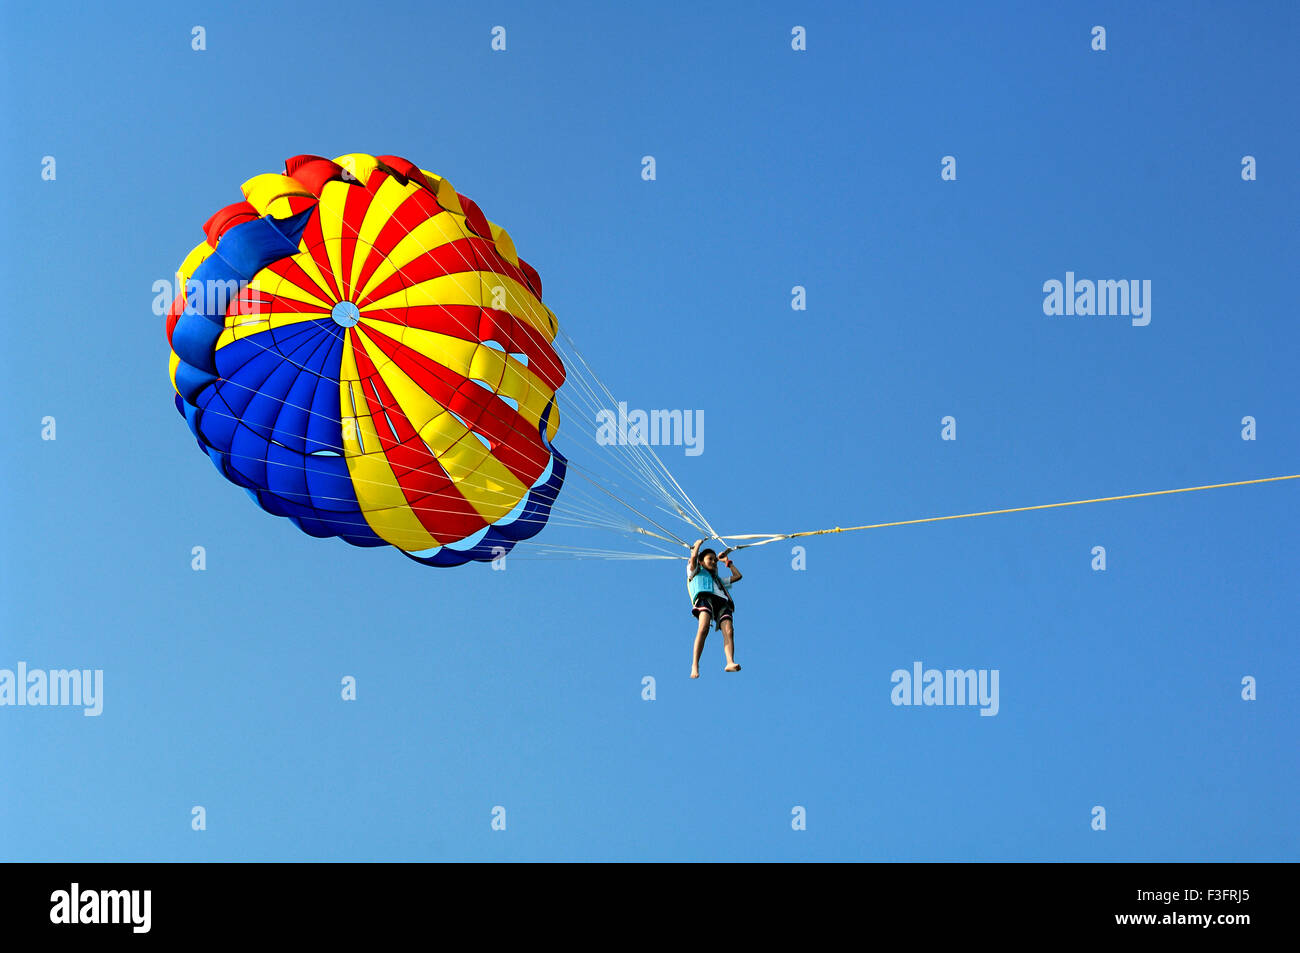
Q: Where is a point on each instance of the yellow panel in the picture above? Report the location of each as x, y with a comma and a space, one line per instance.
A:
269, 282
553, 423
382, 207
508, 377
505, 244
430, 234
330, 215
445, 193
242, 326
393, 526
381, 500
520, 302
481, 478
358, 165
261, 190
280, 208
173, 362
460, 288
451, 352
441, 432
192, 261
308, 264
488, 365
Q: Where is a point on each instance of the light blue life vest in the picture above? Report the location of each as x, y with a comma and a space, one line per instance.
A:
702, 581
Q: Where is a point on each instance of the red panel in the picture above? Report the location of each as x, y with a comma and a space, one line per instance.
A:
449, 259
404, 169
476, 219
416, 208
294, 163
299, 203
354, 212
494, 262
520, 336
457, 320
292, 272
534, 279
313, 172
226, 218
313, 240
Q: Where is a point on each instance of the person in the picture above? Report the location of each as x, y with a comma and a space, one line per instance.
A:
711, 599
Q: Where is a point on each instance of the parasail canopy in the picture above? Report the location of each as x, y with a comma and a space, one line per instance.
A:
366, 354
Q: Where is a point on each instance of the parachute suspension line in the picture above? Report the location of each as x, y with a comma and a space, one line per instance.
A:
762, 539
578, 391
648, 454
621, 462
617, 461
581, 508
671, 537
624, 496
613, 490
627, 454
633, 452
576, 553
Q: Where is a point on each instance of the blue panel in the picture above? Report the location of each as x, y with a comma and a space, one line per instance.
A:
215, 422
193, 339
190, 381
251, 246
266, 407
350, 527
248, 456
284, 475
330, 484
324, 426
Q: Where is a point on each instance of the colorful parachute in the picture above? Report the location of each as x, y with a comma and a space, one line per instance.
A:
358, 347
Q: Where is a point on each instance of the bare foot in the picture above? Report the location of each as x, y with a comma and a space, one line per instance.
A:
733, 667
695, 673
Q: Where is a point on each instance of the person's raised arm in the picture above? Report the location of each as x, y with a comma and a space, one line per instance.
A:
735, 573
693, 564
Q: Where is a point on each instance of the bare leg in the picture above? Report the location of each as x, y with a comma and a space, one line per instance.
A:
728, 644
700, 635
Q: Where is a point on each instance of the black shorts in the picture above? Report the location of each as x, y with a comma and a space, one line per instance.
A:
715, 605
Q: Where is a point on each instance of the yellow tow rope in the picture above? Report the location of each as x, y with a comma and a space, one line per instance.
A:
764, 538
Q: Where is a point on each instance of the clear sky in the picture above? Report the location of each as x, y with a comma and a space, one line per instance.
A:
775, 168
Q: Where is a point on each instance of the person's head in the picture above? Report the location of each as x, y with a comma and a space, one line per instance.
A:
709, 560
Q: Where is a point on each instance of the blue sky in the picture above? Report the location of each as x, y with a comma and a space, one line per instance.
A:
775, 168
